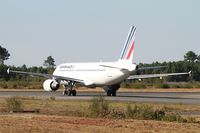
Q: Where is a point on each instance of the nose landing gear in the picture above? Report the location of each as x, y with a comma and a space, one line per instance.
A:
69, 89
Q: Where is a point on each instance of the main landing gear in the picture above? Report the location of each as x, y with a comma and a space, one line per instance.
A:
112, 89
111, 93
69, 89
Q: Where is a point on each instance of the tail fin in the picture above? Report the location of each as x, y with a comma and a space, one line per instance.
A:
127, 52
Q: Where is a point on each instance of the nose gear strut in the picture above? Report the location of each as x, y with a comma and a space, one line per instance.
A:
70, 89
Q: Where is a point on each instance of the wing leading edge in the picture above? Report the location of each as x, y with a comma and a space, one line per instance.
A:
153, 67
156, 75
46, 76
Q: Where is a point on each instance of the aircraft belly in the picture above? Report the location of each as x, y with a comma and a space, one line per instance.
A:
99, 78
95, 78
108, 79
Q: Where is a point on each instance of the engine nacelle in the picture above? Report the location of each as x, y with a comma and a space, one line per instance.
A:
51, 85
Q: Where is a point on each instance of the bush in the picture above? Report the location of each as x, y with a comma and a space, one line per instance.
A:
99, 107
133, 85
3, 85
176, 86
162, 86
13, 104
117, 114
197, 85
138, 86
174, 117
187, 86
145, 112
130, 112
159, 114
14, 86
192, 120
140, 112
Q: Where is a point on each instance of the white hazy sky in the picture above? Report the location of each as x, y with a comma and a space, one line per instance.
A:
95, 30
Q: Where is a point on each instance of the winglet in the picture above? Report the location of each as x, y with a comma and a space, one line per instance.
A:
190, 73
8, 71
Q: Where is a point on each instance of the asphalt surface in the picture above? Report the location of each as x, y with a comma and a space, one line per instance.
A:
160, 97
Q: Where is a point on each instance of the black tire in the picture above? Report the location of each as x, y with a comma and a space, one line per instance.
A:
65, 92
109, 92
69, 92
113, 93
73, 92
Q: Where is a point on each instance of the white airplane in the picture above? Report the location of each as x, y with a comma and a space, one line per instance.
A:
107, 75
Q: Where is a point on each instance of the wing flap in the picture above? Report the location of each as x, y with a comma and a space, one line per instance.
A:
153, 67
156, 75
109, 66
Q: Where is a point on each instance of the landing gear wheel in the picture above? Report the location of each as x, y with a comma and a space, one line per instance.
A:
73, 92
109, 93
69, 92
70, 89
65, 92
113, 93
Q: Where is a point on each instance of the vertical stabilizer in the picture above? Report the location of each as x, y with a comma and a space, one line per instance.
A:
127, 52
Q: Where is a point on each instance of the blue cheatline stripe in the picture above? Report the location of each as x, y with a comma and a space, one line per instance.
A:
127, 44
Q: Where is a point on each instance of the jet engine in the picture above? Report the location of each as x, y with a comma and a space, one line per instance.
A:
51, 85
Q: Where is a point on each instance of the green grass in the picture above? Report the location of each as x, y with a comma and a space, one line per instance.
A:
99, 107
137, 85
20, 85
165, 86
142, 85
13, 104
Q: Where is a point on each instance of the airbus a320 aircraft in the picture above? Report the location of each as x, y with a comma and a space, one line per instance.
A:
107, 75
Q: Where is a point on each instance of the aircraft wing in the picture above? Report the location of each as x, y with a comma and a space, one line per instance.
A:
156, 75
46, 75
154, 67
109, 66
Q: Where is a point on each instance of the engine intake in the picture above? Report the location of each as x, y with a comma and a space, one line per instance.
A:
51, 85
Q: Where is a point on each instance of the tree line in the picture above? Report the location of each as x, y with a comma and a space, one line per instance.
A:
191, 62
48, 64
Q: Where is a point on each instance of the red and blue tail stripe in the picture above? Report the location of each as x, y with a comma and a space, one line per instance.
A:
127, 52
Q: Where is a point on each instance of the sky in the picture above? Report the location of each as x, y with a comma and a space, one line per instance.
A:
96, 30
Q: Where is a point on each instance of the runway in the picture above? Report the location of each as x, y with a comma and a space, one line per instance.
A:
159, 97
